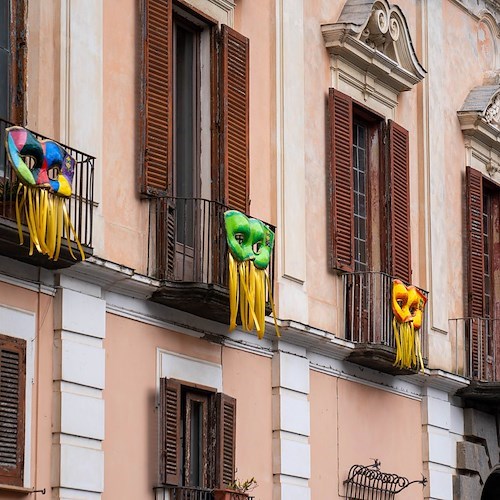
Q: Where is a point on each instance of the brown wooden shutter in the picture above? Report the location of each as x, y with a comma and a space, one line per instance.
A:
341, 214
475, 272
399, 203
156, 123
170, 431
234, 109
475, 257
226, 439
12, 408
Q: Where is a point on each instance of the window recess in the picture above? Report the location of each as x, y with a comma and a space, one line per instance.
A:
197, 436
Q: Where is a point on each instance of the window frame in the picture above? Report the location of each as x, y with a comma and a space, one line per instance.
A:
217, 434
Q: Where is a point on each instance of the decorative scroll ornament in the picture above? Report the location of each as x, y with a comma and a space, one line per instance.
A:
250, 244
408, 305
492, 112
367, 482
43, 190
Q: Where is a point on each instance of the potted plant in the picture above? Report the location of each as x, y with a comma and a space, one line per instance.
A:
236, 490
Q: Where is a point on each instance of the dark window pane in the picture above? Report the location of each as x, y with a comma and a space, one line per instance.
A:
4, 24
185, 126
195, 474
4, 84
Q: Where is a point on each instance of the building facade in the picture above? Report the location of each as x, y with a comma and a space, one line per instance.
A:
364, 133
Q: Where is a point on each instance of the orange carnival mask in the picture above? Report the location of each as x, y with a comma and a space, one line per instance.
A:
408, 306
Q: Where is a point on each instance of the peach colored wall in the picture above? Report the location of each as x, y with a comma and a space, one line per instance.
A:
323, 400
247, 378
373, 423
41, 415
130, 444
255, 20
352, 423
126, 217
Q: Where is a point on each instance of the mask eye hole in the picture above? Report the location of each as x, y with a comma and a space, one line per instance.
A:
256, 247
239, 237
400, 302
413, 310
53, 173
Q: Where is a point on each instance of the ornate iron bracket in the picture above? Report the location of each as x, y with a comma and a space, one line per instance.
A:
368, 481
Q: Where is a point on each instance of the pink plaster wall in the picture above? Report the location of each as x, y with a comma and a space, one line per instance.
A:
41, 416
130, 445
323, 400
247, 378
373, 423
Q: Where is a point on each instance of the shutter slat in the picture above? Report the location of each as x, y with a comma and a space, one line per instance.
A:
341, 203
234, 101
399, 200
170, 404
226, 439
12, 390
157, 97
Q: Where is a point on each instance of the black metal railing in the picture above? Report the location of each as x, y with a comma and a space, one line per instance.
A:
368, 311
191, 493
188, 241
182, 493
476, 348
80, 205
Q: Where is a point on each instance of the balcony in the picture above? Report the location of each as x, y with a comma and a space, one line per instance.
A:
79, 206
368, 321
188, 252
476, 355
192, 493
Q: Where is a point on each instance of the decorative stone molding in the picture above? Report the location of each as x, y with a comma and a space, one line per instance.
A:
479, 119
370, 47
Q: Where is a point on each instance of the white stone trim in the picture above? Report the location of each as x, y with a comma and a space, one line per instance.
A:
21, 325
188, 369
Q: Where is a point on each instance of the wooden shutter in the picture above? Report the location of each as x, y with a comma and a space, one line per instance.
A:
475, 257
156, 111
226, 439
234, 109
12, 408
399, 203
170, 431
341, 213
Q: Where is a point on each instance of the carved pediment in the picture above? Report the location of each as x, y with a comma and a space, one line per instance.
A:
374, 36
479, 119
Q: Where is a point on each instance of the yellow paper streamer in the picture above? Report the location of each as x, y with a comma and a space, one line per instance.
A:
408, 346
249, 288
47, 219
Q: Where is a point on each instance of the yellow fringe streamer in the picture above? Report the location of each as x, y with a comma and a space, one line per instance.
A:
47, 219
408, 347
249, 289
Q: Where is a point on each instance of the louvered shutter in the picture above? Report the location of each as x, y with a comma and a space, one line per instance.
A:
399, 203
12, 407
234, 109
170, 431
475, 268
341, 213
156, 126
226, 439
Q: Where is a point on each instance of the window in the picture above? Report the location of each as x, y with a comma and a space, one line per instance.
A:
195, 109
483, 218
369, 230
12, 407
12, 59
197, 435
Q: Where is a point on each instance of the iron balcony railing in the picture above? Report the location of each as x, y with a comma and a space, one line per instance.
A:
188, 241
368, 311
191, 493
476, 348
80, 205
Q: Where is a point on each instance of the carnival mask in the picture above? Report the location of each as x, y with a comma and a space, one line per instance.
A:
408, 304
